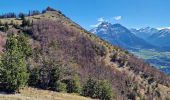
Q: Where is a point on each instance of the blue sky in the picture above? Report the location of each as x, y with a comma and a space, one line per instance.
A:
130, 13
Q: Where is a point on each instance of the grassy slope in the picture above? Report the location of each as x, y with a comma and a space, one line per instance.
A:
36, 94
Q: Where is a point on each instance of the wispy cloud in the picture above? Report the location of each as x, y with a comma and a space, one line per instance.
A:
100, 20
95, 25
117, 18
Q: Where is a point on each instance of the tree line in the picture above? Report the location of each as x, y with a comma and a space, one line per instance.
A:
21, 14
14, 15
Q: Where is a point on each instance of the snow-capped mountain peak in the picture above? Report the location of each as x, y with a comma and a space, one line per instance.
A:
164, 32
103, 27
148, 30
108, 28
144, 32
119, 35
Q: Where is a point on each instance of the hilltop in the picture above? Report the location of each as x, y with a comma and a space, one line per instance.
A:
56, 38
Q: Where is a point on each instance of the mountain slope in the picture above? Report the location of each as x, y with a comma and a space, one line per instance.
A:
161, 38
56, 37
120, 36
97, 58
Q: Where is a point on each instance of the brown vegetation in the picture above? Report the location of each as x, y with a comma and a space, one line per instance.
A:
89, 56
57, 38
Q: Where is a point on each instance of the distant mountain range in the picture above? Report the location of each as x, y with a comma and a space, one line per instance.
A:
120, 36
148, 43
144, 32
148, 38
159, 38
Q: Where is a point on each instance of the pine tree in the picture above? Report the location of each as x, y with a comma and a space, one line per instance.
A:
55, 76
24, 46
73, 85
105, 91
1, 23
6, 27
98, 89
34, 77
59, 86
89, 89
24, 21
13, 66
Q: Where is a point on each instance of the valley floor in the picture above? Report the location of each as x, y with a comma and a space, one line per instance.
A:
37, 94
161, 60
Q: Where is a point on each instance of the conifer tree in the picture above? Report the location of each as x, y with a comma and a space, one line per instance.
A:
1, 23
73, 85
98, 89
13, 66
6, 27
24, 46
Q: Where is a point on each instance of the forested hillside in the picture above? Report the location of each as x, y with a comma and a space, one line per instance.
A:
49, 51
